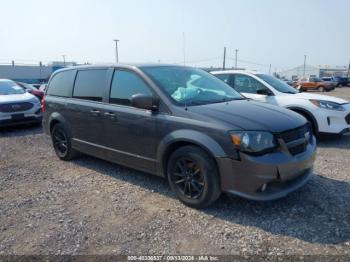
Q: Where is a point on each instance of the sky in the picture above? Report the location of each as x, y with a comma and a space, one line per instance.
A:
265, 32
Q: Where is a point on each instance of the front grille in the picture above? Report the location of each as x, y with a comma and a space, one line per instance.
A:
295, 134
296, 140
347, 118
297, 149
15, 107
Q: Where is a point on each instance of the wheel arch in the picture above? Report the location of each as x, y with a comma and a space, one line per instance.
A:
182, 138
307, 114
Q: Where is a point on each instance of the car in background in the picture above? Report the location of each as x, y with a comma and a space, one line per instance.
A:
180, 123
17, 106
314, 83
326, 114
43, 87
31, 89
341, 81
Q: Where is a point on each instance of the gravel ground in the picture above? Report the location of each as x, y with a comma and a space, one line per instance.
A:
89, 206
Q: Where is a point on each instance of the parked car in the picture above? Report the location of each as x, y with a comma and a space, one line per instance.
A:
314, 83
181, 123
326, 114
341, 81
17, 106
31, 89
42, 87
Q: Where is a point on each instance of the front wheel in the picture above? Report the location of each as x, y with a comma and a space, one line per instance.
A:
193, 176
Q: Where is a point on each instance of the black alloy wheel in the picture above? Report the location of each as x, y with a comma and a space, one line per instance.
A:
188, 177
192, 174
60, 142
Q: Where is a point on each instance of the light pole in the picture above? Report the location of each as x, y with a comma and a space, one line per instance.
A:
236, 51
116, 50
304, 65
64, 60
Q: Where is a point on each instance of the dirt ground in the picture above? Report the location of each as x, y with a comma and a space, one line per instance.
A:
90, 206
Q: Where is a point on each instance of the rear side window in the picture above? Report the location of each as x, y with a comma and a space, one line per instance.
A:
89, 84
126, 84
62, 84
224, 77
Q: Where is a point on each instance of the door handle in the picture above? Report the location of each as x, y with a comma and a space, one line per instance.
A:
110, 115
95, 112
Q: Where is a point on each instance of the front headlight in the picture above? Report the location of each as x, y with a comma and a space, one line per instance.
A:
327, 105
253, 141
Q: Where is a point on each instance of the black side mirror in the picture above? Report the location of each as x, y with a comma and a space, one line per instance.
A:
144, 102
263, 92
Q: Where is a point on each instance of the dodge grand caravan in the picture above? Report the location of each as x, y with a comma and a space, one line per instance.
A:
180, 123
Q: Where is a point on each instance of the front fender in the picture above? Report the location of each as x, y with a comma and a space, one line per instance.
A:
190, 136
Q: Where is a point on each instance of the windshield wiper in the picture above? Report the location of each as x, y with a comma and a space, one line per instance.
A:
222, 100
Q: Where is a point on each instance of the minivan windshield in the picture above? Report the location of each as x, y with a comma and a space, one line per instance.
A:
191, 86
10, 88
277, 84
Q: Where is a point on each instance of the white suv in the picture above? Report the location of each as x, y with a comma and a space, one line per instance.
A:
326, 114
17, 106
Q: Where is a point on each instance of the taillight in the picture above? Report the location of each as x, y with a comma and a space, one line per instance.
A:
43, 104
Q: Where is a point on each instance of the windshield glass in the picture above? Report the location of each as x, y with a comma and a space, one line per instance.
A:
10, 88
277, 84
191, 86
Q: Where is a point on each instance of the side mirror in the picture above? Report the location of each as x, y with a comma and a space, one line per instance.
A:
263, 92
144, 102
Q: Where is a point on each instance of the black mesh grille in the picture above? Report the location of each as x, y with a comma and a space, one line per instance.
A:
297, 149
15, 107
296, 134
347, 118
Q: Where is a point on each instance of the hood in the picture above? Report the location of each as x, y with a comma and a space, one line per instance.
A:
26, 97
248, 115
320, 97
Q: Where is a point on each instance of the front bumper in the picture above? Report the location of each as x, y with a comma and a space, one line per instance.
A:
28, 119
267, 177
333, 122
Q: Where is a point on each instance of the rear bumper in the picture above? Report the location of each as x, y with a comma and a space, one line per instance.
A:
266, 177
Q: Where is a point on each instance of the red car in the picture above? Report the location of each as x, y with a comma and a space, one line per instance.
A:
31, 89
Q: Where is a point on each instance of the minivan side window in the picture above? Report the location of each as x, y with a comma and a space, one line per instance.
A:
89, 84
247, 84
62, 84
125, 84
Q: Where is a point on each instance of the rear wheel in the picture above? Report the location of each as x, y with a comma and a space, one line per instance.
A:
62, 143
322, 89
193, 176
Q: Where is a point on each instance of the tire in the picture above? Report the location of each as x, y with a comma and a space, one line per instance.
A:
193, 176
321, 89
61, 142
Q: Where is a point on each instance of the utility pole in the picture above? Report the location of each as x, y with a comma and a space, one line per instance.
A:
184, 47
224, 63
270, 70
236, 58
304, 65
64, 60
116, 50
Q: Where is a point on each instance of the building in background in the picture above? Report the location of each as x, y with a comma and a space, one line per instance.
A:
333, 71
297, 72
32, 74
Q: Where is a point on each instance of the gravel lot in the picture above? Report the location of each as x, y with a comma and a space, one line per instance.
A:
89, 206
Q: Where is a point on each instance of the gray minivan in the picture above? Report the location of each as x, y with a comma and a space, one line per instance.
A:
180, 123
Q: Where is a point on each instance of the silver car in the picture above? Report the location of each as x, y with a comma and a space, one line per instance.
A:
17, 106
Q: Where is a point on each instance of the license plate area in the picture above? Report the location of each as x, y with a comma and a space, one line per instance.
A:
17, 116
